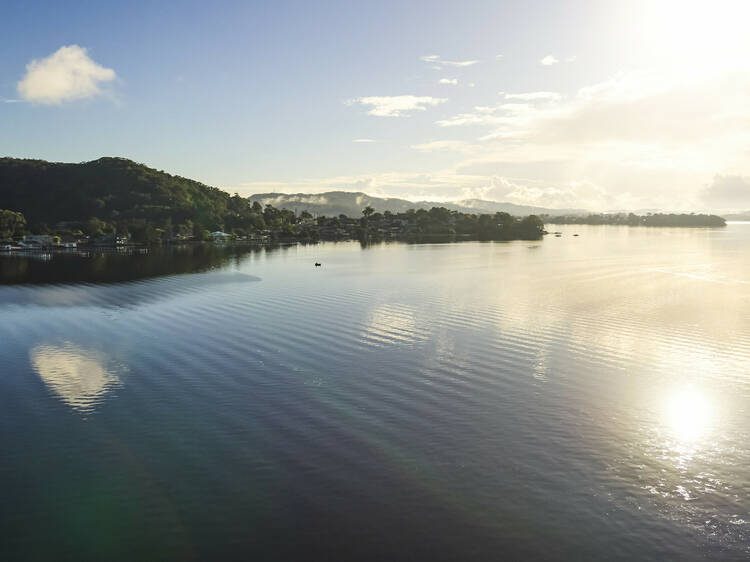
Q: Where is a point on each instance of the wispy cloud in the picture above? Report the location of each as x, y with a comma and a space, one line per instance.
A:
364, 140
459, 63
642, 138
437, 61
534, 96
68, 74
453, 81
549, 60
396, 106
444, 145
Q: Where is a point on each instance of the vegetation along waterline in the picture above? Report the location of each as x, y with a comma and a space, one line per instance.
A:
631, 219
114, 201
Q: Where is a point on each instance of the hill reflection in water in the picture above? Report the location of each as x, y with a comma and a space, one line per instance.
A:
117, 265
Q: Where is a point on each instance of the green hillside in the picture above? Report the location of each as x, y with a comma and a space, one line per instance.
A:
110, 189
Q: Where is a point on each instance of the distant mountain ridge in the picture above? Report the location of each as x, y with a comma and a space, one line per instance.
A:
351, 203
744, 216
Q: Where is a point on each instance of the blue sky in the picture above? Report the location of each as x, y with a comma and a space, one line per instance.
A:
271, 96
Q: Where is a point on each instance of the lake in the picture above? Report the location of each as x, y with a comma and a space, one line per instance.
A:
574, 398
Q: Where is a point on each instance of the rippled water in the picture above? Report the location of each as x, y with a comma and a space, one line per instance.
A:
574, 398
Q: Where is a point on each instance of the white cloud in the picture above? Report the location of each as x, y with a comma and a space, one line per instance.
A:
650, 138
549, 60
534, 96
647, 138
436, 59
68, 74
639, 110
505, 113
727, 192
300, 198
364, 140
447, 185
571, 59
460, 63
566, 195
471, 84
499, 57
397, 106
437, 185
453, 81
444, 145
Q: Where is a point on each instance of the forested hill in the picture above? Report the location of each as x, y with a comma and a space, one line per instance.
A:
118, 197
110, 189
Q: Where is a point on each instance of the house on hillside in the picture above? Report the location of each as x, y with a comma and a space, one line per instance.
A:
68, 241
33, 241
111, 239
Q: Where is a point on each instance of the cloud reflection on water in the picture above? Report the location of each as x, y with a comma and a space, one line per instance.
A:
79, 377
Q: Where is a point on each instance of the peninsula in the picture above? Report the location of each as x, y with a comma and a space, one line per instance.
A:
115, 201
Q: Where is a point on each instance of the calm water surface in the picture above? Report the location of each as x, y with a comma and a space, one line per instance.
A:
574, 398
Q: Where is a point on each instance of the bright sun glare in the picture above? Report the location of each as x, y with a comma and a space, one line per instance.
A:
688, 414
695, 33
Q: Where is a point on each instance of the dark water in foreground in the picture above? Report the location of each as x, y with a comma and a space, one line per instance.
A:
574, 398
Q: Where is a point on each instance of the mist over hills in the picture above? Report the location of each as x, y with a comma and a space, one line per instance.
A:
334, 203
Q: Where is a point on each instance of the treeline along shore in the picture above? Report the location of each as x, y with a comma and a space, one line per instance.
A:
631, 219
114, 201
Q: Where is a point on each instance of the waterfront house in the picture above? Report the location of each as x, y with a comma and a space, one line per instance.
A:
37, 241
68, 241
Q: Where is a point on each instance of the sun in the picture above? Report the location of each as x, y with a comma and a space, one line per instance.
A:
693, 34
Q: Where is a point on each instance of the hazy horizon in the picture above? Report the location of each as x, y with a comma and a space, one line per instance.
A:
618, 105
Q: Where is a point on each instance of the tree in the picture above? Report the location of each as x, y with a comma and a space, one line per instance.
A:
367, 211
11, 224
95, 227
530, 228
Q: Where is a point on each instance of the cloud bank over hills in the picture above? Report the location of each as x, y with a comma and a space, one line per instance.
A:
333, 203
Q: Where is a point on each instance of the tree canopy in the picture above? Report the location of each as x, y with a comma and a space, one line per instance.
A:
116, 195
631, 219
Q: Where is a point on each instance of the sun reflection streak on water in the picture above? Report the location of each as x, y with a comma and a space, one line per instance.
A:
689, 415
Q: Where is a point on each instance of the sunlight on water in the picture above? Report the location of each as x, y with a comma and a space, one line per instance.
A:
588, 398
392, 324
688, 414
79, 377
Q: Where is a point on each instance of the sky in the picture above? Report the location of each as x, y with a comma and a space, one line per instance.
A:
595, 104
